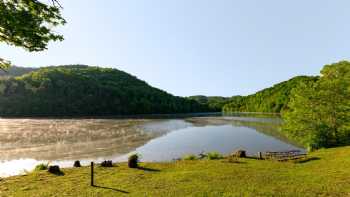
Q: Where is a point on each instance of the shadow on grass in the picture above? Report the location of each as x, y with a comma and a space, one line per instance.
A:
147, 169
234, 162
308, 159
60, 173
114, 189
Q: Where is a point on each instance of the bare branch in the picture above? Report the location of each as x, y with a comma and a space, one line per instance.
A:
56, 2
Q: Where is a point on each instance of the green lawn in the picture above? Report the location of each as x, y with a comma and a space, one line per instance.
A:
327, 173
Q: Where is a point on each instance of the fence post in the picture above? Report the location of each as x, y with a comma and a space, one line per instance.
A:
92, 173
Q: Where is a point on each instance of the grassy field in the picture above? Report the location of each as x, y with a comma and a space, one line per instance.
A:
325, 173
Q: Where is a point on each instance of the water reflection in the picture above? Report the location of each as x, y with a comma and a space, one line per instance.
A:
26, 142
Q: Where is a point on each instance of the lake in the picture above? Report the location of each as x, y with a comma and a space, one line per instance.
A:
24, 143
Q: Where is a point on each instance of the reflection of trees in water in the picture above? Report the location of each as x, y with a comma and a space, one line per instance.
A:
65, 139
267, 126
70, 139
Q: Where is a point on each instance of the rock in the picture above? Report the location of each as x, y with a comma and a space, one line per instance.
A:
240, 154
77, 164
54, 170
107, 163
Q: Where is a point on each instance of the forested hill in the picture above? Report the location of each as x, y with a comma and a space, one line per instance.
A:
215, 103
14, 71
273, 99
86, 91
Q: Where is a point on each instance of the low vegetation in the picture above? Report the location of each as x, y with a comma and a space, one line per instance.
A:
248, 177
214, 155
190, 157
133, 160
42, 166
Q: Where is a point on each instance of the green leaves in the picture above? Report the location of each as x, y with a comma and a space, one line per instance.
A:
79, 90
273, 99
29, 23
4, 64
319, 112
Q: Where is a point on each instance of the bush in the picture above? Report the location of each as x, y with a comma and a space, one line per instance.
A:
77, 164
55, 170
214, 155
190, 157
41, 166
133, 161
108, 163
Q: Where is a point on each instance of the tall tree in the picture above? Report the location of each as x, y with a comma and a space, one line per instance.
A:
319, 112
28, 24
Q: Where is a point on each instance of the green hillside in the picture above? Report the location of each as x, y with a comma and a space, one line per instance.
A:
273, 99
15, 71
215, 103
80, 90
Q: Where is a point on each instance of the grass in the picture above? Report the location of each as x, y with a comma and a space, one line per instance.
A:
190, 157
214, 155
41, 166
323, 173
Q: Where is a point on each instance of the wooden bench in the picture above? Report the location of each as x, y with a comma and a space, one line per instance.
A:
285, 155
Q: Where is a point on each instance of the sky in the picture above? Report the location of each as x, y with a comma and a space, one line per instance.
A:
199, 47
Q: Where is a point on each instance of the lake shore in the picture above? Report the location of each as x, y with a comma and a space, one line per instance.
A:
24, 143
248, 177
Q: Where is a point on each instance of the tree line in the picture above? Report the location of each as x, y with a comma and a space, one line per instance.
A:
273, 99
214, 103
318, 113
79, 90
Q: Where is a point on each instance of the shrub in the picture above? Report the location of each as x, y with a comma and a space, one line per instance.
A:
41, 166
55, 170
108, 163
190, 157
77, 164
133, 161
214, 155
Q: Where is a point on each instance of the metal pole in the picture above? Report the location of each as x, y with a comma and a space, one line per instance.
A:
92, 173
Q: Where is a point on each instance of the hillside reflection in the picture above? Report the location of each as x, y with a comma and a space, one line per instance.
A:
69, 139
270, 126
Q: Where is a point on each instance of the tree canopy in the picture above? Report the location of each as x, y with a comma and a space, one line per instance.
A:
79, 90
319, 112
273, 99
28, 24
215, 103
15, 71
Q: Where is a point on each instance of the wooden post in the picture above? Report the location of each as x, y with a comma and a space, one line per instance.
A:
92, 173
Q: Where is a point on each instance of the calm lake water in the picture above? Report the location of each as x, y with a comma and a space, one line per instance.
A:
24, 143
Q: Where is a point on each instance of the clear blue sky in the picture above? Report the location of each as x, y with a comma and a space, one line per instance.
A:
190, 47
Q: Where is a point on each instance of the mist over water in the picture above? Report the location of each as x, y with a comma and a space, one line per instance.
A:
25, 143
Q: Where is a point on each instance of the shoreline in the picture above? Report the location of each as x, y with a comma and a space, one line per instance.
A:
249, 177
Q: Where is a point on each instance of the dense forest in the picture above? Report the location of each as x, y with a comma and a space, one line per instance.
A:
214, 103
79, 90
273, 99
15, 71
318, 113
